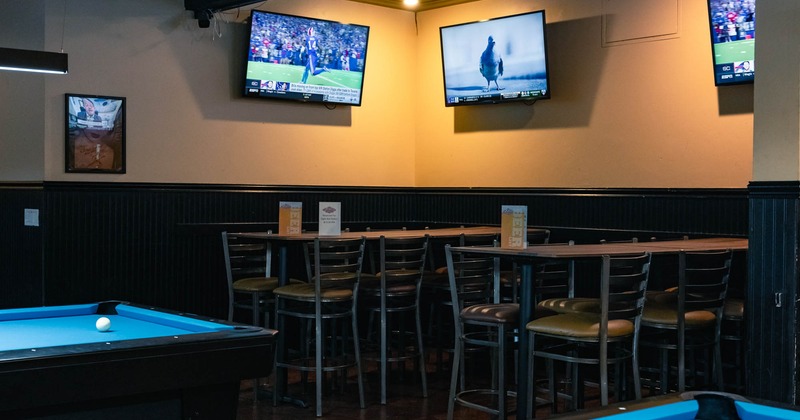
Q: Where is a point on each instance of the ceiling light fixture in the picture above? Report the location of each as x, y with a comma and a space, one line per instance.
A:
410, 3
34, 61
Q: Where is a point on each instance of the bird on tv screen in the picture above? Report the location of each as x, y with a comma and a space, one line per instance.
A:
496, 60
733, 37
305, 59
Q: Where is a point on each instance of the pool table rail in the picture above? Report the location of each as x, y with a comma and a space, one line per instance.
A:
198, 374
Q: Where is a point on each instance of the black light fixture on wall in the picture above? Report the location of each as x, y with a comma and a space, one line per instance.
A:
35, 61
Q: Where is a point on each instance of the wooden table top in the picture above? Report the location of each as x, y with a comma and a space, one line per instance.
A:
376, 234
598, 250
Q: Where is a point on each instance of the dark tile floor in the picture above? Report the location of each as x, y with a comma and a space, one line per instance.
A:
405, 401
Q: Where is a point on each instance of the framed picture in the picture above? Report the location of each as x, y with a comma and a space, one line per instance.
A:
95, 134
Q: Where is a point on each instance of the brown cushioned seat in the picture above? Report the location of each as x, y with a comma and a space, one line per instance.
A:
491, 312
571, 305
436, 279
655, 313
584, 325
540, 312
305, 291
338, 276
373, 285
733, 309
256, 284
259, 284
665, 297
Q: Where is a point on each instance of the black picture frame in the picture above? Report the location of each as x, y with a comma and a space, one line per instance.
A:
94, 134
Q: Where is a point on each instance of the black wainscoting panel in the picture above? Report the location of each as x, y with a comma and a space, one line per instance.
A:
772, 291
692, 212
159, 243
20, 246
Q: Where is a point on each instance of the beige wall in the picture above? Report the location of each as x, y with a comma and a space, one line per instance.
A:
643, 114
776, 155
22, 94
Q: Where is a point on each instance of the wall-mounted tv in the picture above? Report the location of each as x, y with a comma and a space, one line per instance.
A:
496, 60
305, 59
733, 37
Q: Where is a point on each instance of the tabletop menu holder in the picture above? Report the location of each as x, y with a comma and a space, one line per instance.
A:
513, 227
290, 218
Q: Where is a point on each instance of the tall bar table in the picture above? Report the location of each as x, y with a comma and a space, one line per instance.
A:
531, 256
282, 242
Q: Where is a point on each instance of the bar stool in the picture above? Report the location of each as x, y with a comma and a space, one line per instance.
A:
393, 294
334, 269
688, 318
436, 290
248, 265
601, 338
733, 333
478, 322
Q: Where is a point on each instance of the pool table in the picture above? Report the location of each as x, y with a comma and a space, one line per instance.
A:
151, 363
707, 405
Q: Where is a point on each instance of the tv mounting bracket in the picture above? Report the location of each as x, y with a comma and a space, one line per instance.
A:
204, 9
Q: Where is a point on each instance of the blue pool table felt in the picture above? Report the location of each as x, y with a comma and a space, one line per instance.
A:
686, 410
31, 328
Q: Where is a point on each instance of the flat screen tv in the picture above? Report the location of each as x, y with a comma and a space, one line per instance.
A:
305, 59
495, 61
733, 37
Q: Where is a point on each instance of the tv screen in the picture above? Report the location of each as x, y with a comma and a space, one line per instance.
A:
733, 37
305, 59
495, 61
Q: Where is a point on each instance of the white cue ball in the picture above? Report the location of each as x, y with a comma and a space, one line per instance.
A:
103, 324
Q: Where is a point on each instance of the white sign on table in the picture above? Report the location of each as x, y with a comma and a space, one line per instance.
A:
330, 218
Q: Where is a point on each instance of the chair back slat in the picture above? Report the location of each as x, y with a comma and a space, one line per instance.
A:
471, 279
243, 258
334, 260
553, 281
538, 236
486, 239
625, 282
703, 280
403, 259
